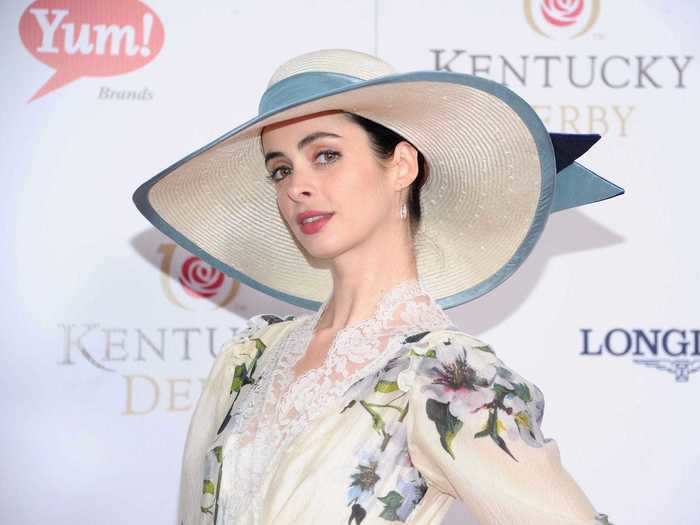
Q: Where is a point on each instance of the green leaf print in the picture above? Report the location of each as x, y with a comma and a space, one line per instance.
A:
377, 419
524, 422
485, 348
429, 353
500, 391
349, 405
392, 502
523, 392
217, 452
259, 346
208, 487
491, 429
240, 378
386, 387
416, 337
447, 425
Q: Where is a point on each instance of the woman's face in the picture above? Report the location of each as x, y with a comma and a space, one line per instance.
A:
323, 164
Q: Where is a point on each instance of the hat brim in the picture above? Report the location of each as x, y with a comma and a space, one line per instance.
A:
491, 174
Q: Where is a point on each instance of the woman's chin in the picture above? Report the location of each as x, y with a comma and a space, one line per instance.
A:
322, 253
323, 249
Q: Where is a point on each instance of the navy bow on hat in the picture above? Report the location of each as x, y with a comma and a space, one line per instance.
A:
576, 185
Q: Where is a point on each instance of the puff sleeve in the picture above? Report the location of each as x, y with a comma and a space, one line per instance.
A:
213, 404
474, 432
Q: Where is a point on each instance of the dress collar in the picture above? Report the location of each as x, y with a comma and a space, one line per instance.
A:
406, 305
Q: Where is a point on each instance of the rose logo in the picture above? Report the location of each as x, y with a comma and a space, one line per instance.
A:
202, 285
561, 18
199, 279
561, 13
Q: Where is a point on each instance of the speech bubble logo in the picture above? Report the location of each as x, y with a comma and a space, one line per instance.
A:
89, 39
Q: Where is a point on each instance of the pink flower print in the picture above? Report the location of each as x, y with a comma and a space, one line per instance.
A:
464, 388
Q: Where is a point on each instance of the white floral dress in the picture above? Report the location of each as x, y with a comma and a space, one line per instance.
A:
405, 414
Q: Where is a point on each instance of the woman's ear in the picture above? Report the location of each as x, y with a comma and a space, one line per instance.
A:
404, 164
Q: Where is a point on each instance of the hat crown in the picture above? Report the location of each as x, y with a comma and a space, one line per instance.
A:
342, 61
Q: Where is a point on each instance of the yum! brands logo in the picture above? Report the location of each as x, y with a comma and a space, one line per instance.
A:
561, 18
190, 283
79, 38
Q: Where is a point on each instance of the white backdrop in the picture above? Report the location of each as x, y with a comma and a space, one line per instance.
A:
104, 348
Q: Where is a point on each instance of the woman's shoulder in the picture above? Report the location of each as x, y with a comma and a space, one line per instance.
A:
255, 334
257, 325
451, 343
456, 372
454, 357
447, 341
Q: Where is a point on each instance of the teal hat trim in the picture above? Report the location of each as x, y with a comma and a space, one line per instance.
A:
573, 186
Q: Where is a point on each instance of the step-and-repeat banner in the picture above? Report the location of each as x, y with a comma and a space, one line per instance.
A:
109, 328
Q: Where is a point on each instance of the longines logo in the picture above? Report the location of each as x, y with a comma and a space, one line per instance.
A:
561, 18
673, 350
147, 358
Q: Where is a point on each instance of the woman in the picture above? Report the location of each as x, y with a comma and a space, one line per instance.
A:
375, 408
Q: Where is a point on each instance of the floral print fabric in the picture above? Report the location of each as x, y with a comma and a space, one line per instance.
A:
443, 418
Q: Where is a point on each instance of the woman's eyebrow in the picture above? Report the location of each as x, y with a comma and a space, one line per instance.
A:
302, 143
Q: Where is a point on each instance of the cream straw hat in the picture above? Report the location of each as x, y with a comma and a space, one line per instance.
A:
494, 176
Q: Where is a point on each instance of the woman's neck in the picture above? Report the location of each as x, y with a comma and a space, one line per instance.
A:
354, 301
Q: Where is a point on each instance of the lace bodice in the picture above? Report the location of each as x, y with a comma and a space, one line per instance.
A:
282, 405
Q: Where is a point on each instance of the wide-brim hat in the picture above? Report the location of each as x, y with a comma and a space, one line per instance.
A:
494, 175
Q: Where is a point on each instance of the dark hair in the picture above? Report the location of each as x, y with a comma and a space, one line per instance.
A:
383, 142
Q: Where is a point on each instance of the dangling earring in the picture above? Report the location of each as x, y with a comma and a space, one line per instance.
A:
403, 211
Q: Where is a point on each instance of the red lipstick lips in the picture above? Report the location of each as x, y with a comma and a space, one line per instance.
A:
315, 225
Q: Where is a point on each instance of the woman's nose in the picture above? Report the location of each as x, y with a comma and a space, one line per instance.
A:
301, 183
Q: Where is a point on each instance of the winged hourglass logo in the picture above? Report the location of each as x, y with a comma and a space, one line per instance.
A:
681, 368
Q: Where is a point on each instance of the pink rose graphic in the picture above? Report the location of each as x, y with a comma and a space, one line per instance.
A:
561, 13
200, 279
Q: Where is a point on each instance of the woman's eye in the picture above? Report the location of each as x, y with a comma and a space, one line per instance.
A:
326, 157
328, 153
274, 175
